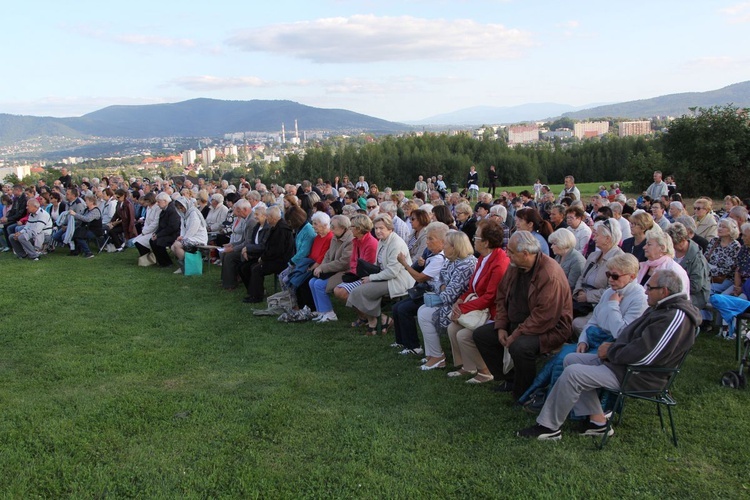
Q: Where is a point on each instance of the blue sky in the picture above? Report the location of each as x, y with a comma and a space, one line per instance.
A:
397, 60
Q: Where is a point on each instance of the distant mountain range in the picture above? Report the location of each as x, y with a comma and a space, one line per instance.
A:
214, 118
193, 118
488, 115
671, 105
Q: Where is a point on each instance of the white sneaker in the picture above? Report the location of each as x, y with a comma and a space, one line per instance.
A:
417, 351
179, 271
329, 316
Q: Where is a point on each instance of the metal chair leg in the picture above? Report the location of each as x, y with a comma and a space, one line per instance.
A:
671, 423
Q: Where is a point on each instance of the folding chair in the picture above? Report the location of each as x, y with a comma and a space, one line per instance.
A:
102, 243
661, 396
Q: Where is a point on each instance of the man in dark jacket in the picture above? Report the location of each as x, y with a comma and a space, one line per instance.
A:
534, 314
658, 338
278, 251
167, 231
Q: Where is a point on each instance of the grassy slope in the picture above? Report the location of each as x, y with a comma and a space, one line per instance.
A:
128, 381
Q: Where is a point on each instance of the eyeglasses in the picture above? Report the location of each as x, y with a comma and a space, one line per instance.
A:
697, 208
614, 276
477, 238
650, 288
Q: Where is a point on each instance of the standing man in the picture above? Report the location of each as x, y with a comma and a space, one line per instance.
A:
65, 179
658, 188
420, 185
492, 179
534, 314
570, 188
660, 337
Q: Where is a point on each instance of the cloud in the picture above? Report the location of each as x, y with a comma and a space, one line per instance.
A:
207, 83
156, 41
737, 13
137, 39
716, 63
368, 38
572, 24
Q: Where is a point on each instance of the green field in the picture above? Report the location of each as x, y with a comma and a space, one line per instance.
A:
122, 381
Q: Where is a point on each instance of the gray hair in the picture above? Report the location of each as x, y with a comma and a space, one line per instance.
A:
349, 210
242, 203
678, 232
465, 208
253, 195
388, 207
612, 228
217, 197
321, 217
526, 242
688, 222
259, 210
500, 211
341, 221
739, 211
273, 213
668, 279
745, 227
734, 231
163, 197
615, 207
678, 205
35, 203
664, 241
563, 238
621, 198
437, 229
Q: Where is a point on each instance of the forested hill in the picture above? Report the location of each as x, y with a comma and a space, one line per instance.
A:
194, 118
670, 105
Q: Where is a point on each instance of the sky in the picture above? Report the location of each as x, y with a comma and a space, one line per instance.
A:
397, 60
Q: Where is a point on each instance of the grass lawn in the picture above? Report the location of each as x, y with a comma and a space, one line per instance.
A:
123, 381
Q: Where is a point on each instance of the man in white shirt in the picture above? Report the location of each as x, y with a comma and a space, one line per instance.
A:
658, 188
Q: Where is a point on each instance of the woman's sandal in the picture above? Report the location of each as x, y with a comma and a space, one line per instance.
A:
359, 322
385, 325
372, 331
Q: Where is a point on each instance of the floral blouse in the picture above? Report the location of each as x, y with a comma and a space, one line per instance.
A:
722, 261
455, 275
743, 263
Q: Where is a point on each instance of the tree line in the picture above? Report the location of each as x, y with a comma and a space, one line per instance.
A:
708, 152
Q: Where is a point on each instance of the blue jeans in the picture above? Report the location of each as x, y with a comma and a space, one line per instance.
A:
82, 243
320, 297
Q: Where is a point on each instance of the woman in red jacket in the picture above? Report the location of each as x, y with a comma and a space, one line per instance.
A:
490, 270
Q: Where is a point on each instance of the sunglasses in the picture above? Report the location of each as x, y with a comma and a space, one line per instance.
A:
614, 276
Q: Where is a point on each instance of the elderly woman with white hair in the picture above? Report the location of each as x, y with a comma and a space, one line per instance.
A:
688, 254
150, 224
659, 251
563, 244
217, 213
321, 224
328, 274
193, 230
391, 281
593, 281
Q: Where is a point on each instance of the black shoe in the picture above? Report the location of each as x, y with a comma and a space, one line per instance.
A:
504, 386
251, 300
540, 432
73, 253
589, 428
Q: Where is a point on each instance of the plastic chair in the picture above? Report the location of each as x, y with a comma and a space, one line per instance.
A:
661, 396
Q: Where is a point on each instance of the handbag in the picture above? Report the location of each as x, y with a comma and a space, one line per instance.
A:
365, 268
348, 277
193, 264
474, 319
417, 291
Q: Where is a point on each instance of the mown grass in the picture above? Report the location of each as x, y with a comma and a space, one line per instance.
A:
123, 381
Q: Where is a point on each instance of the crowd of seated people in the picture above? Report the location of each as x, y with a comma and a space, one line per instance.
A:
507, 280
